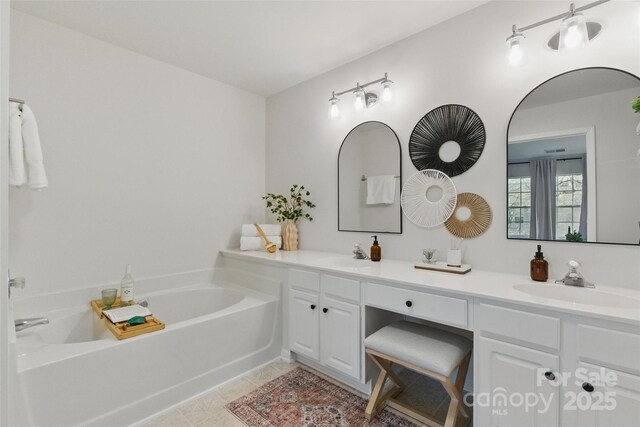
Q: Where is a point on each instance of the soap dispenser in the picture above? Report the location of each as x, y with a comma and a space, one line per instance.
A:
376, 250
539, 267
126, 287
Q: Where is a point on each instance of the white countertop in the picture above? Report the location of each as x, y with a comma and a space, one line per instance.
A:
477, 283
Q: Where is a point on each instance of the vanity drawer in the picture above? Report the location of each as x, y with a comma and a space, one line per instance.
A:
348, 289
519, 325
438, 308
609, 348
304, 279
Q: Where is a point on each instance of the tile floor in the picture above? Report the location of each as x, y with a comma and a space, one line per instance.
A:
209, 409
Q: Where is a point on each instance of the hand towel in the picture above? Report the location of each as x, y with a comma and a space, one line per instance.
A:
250, 230
17, 175
33, 151
381, 190
252, 243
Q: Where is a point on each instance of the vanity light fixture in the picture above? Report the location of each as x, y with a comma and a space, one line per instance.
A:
362, 99
334, 110
574, 32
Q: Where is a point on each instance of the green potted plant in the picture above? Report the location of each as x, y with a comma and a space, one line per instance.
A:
573, 236
290, 210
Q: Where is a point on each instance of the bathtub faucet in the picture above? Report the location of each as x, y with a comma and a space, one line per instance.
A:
22, 324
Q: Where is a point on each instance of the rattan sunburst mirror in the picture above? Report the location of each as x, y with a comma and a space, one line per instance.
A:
447, 124
477, 220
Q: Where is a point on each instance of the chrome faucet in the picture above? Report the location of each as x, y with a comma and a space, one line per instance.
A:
574, 278
358, 252
22, 324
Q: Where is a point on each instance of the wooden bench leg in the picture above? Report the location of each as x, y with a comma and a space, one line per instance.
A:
462, 372
378, 400
371, 410
452, 413
457, 397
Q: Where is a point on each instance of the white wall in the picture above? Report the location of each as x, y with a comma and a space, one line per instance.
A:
460, 61
617, 167
148, 164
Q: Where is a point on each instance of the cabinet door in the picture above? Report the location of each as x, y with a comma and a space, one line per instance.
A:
509, 380
340, 336
614, 399
303, 324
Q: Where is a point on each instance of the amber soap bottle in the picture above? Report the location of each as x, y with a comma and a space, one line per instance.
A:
539, 267
376, 250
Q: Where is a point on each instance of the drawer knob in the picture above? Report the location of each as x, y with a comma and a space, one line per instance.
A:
313, 306
324, 310
409, 303
587, 387
549, 375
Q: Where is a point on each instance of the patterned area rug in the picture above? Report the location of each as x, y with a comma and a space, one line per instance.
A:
300, 398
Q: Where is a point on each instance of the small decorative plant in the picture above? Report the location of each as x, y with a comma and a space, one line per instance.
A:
636, 105
291, 208
573, 236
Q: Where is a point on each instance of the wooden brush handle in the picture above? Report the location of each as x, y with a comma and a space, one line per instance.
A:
264, 236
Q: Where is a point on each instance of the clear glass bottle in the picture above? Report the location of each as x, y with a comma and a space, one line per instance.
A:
126, 287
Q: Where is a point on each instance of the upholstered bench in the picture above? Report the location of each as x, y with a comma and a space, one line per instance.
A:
431, 352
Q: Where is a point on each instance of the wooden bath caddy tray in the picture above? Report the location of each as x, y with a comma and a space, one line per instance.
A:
121, 330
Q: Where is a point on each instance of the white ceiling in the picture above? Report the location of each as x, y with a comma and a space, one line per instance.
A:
260, 46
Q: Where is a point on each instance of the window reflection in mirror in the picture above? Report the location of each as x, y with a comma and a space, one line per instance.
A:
572, 170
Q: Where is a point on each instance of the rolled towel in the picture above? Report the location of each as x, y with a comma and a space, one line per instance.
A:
252, 243
33, 151
250, 230
17, 174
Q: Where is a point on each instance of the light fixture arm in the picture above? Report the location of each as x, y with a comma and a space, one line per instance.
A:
572, 11
359, 86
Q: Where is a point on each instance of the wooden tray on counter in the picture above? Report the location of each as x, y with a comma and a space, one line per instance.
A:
122, 330
463, 269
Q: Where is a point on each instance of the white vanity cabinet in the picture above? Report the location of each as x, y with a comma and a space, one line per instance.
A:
587, 370
524, 347
324, 320
517, 355
612, 397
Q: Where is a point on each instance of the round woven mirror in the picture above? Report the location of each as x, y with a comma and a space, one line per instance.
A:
428, 198
471, 217
449, 138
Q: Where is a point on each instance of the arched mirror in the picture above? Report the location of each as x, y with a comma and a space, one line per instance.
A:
369, 180
572, 166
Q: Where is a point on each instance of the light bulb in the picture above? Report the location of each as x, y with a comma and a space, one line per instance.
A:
359, 101
515, 52
573, 33
334, 110
387, 94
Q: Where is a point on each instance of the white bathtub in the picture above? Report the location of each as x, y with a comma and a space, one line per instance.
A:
74, 372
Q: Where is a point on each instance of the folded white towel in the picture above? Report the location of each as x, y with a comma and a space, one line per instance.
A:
17, 175
250, 230
381, 189
32, 150
252, 243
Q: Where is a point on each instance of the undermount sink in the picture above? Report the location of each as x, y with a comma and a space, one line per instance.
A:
340, 262
576, 295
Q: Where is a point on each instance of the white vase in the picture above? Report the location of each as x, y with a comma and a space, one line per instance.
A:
638, 129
